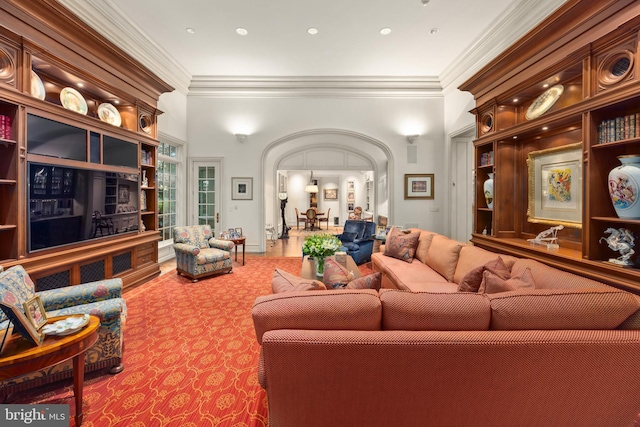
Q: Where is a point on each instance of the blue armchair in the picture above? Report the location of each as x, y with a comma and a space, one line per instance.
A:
357, 239
102, 298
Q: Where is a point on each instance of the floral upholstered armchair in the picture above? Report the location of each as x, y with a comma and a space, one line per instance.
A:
102, 298
199, 254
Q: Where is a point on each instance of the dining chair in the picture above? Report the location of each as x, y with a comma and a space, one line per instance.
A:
300, 219
325, 219
311, 219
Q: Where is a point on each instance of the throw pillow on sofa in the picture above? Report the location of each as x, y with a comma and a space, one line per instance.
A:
287, 282
493, 283
473, 279
401, 245
335, 275
370, 281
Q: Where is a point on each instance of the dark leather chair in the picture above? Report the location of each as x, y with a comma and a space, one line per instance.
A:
357, 239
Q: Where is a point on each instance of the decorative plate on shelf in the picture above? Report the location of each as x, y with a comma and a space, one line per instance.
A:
72, 100
545, 101
37, 87
66, 326
108, 113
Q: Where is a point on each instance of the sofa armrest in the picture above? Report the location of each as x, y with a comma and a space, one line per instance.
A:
68, 296
186, 248
225, 245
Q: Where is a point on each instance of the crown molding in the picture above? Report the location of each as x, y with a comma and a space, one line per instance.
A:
315, 86
505, 30
110, 21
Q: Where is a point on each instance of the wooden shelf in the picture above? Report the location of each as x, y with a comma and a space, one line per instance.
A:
7, 227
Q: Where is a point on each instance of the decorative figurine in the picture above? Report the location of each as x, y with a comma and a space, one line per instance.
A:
544, 239
145, 181
620, 240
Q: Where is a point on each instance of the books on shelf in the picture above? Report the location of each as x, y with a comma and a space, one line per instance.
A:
5, 127
619, 128
486, 159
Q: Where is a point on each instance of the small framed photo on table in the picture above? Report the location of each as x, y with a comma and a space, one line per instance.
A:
34, 310
241, 188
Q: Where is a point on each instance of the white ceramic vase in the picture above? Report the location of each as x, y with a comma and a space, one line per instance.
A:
488, 191
623, 187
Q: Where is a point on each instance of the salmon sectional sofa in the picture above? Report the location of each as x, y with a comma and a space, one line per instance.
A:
557, 350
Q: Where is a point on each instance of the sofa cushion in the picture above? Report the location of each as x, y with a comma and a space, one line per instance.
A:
370, 281
473, 256
406, 275
443, 256
335, 275
473, 279
287, 282
547, 277
423, 244
493, 283
548, 309
348, 237
429, 311
401, 245
347, 309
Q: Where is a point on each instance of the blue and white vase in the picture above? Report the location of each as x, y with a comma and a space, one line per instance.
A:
623, 187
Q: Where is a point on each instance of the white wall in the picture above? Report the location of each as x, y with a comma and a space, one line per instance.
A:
213, 121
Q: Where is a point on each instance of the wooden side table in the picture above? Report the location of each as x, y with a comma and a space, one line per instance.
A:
20, 357
237, 242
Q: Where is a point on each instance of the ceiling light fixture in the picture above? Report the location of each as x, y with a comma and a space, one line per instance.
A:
311, 187
242, 31
241, 137
385, 31
434, 31
313, 31
425, 2
191, 31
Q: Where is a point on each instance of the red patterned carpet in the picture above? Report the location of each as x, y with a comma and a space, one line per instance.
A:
191, 355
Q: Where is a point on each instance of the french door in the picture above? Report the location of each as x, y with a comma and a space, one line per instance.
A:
205, 193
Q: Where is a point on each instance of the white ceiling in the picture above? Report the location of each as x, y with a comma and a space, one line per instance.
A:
348, 44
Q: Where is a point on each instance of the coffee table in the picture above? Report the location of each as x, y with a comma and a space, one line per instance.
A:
20, 357
309, 268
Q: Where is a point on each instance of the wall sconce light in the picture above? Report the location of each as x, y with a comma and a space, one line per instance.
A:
412, 138
241, 137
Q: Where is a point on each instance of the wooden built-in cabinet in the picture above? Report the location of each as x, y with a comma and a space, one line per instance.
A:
52, 186
591, 49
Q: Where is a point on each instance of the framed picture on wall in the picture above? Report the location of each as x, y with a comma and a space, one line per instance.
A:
555, 186
418, 186
123, 193
241, 188
351, 185
331, 194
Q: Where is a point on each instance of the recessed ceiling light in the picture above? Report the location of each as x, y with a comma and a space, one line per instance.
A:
80, 84
515, 100
191, 31
425, 2
434, 31
116, 101
545, 85
545, 128
385, 31
312, 31
242, 31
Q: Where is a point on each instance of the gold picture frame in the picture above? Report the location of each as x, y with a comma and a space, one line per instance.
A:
419, 186
34, 310
555, 186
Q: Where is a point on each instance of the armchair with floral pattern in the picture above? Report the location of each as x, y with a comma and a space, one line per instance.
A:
102, 298
199, 254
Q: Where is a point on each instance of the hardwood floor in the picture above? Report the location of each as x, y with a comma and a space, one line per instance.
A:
291, 247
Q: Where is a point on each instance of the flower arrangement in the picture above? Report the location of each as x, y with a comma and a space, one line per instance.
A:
320, 246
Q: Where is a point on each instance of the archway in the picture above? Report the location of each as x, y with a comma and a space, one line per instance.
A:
326, 150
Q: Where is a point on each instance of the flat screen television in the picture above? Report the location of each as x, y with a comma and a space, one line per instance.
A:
69, 205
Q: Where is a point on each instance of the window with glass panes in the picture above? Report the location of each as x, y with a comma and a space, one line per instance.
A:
167, 188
